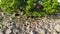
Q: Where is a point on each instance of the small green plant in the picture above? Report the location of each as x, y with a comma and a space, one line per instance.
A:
31, 7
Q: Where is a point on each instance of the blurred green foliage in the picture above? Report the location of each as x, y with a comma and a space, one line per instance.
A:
31, 7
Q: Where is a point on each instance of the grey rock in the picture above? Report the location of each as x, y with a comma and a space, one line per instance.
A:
54, 32
8, 31
4, 23
12, 23
57, 27
1, 32
0, 26
8, 24
41, 31
15, 31
10, 27
4, 27
1, 18
17, 25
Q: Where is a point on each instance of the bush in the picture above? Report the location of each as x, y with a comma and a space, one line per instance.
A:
31, 7
11, 6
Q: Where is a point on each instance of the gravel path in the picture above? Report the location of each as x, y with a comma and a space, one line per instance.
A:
42, 26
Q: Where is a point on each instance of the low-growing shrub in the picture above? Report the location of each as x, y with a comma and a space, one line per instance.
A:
30, 7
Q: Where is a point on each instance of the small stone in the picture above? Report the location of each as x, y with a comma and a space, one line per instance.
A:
12, 23
41, 31
57, 27
31, 32
4, 27
17, 25
15, 31
1, 18
1, 32
8, 31
3, 14
10, 27
8, 24
10, 18
0, 26
35, 32
54, 33
4, 23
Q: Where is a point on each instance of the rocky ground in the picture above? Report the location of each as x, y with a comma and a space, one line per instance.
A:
19, 25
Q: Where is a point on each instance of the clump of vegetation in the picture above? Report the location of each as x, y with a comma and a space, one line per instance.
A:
30, 7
